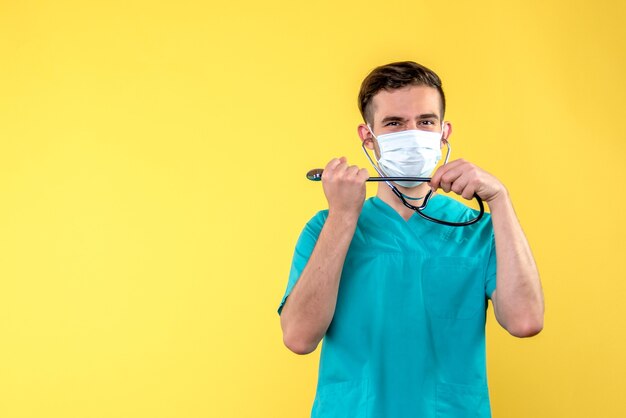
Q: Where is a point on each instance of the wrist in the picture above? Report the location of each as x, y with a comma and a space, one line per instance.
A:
499, 200
345, 218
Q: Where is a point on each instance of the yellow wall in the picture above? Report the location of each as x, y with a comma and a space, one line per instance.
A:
152, 161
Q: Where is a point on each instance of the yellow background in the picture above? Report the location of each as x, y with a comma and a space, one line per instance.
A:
152, 161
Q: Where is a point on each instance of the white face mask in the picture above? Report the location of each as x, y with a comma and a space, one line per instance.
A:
411, 153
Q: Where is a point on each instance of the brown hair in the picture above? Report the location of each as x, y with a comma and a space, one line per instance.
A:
395, 76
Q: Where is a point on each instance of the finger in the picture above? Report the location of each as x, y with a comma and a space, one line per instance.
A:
444, 186
342, 166
343, 171
441, 171
459, 185
467, 183
333, 169
353, 169
332, 164
363, 174
469, 191
449, 177
435, 181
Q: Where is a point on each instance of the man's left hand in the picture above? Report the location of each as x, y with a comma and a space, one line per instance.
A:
465, 179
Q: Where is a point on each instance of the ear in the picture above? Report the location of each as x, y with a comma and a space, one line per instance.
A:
447, 131
366, 136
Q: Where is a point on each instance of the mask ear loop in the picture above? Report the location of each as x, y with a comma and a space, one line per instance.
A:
376, 167
449, 147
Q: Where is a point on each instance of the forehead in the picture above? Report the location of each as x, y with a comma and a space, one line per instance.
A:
406, 102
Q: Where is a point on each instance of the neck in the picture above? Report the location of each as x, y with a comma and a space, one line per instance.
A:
386, 195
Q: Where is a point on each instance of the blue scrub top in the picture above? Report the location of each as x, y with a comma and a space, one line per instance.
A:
408, 335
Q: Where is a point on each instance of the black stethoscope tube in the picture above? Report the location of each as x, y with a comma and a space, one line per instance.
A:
316, 175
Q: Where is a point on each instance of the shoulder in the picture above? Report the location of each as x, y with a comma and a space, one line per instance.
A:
318, 220
312, 229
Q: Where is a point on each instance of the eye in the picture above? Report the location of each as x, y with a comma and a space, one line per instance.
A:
392, 124
427, 122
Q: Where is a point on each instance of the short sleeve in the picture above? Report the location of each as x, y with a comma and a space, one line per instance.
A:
304, 248
490, 275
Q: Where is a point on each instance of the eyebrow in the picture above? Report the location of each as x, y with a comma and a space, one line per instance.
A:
428, 116
399, 119
392, 119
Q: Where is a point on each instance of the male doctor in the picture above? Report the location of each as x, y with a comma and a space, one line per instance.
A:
401, 301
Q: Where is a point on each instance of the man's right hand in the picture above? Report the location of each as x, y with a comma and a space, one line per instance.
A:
344, 187
309, 309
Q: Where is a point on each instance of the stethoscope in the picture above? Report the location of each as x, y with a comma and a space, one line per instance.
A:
316, 175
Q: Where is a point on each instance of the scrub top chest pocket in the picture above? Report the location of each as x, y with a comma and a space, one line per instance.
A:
453, 287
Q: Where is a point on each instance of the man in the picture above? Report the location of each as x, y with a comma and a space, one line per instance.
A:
401, 301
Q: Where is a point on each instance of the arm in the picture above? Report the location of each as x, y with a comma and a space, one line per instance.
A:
518, 298
310, 307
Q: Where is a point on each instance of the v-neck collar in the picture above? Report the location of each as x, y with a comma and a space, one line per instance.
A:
434, 204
